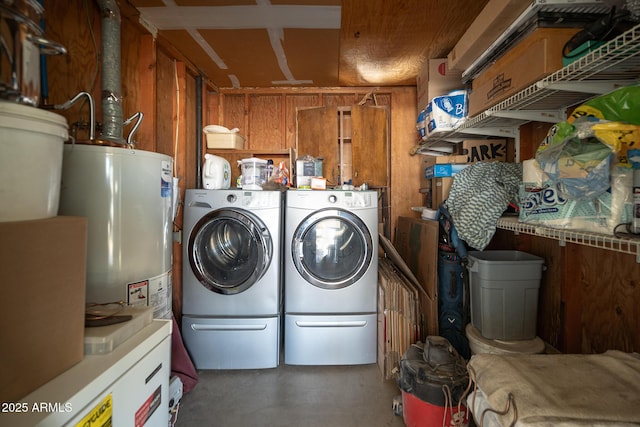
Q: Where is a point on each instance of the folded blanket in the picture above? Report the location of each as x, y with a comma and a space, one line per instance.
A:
479, 194
561, 390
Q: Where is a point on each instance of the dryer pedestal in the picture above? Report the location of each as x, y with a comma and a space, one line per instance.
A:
330, 339
232, 343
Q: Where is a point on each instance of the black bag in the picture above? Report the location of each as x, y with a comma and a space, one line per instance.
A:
453, 285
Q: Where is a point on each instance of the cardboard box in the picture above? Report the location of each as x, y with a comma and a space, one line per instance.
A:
443, 170
492, 21
436, 79
416, 240
398, 316
43, 270
485, 150
533, 58
440, 191
428, 161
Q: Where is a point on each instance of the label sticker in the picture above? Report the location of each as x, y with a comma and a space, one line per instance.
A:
138, 293
148, 408
166, 180
100, 415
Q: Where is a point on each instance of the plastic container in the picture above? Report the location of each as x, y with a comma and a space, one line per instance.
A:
31, 146
105, 339
481, 345
504, 289
254, 173
305, 170
231, 141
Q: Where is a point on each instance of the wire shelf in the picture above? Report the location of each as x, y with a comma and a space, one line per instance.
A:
614, 64
597, 240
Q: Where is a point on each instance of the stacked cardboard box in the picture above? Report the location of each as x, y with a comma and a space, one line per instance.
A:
436, 186
43, 270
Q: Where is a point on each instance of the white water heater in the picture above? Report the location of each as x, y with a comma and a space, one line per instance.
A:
127, 196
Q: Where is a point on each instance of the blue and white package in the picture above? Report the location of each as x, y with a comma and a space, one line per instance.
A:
421, 124
445, 113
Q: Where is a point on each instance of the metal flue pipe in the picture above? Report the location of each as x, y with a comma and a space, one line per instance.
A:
112, 116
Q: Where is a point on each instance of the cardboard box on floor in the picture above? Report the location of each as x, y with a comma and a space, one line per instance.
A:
398, 316
43, 281
436, 79
533, 58
492, 21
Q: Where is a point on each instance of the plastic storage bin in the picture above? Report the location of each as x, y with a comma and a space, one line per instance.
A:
504, 289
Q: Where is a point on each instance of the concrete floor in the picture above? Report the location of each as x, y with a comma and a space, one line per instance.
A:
291, 396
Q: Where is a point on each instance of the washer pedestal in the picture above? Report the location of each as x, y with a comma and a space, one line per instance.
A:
330, 339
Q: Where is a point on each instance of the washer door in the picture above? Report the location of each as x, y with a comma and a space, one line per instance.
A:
229, 250
332, 248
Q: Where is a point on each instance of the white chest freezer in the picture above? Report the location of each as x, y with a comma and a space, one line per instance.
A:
128, 387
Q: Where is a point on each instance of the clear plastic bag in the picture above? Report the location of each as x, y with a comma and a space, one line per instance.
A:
579, 163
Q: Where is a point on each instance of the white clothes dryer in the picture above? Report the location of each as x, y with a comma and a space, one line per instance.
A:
232, 278
331, 277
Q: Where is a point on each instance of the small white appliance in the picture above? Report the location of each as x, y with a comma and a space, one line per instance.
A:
331, 277
232, 278
216, 173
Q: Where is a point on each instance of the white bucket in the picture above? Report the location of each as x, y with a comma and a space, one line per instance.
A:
31, 142
479, 344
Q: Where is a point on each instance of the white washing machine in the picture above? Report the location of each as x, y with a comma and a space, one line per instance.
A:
331, 277
232, 278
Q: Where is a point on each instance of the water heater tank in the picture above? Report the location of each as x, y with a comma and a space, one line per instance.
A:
126, 195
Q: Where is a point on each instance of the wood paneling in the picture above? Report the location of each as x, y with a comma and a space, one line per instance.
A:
232, 114
292, 103
405, 168
420, 29
369, 144
318, 136
266, 122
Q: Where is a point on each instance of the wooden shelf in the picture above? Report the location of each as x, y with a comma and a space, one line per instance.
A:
231, 152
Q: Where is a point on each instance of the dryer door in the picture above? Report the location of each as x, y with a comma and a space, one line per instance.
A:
229, 250
332, 248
